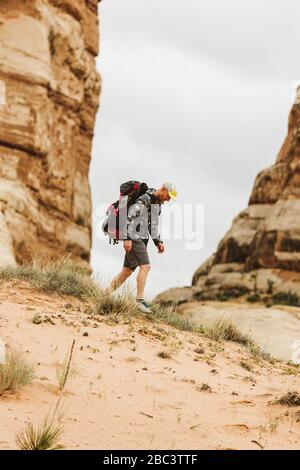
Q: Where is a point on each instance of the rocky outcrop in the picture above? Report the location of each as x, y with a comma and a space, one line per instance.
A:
47, 68
261, 251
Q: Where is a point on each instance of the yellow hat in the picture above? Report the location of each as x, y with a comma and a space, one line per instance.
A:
171, 190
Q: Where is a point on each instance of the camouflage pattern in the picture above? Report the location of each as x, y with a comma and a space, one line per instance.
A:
143, 218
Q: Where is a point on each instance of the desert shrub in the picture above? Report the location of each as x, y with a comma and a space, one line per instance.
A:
204, 388
252, 298
225, 329
168, 315
43, 437
108, 303
289, 399
222, 297
15, 373
286, 298
61, 276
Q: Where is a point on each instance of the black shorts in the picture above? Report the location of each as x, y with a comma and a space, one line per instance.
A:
137, 256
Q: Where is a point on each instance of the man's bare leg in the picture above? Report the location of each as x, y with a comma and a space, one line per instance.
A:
120, 279
141, 280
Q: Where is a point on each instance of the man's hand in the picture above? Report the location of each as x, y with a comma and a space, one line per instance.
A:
127, 245
161, 248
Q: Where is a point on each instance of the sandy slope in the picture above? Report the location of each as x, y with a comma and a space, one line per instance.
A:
275, 329
124, 396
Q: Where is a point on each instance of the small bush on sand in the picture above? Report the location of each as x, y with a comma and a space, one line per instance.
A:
286, 298
44, 437
232, 293
224, 329
62, 276
165, 354
15, 373
246, 365
65, 278
257, 354
172, 348
204, 388
168, 315
253, 298
108, 303
289, 399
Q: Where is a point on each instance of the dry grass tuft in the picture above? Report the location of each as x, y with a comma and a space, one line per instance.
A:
64, 370
110, 303
45, 437
289, 399
15, 373
224, 329
61, 276
169, 316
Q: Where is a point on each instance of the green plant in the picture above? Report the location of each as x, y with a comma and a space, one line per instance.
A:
15, 373
108, 303
61, 276
291, 368
231, 293
222, 297
168, 315
164, 354
286, 298
224, 329
257, 354
46, 435
273, 425
252, 298
64, 370
172, 348
43, 437
64, 277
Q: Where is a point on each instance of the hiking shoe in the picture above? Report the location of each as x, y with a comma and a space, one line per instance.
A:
143, 306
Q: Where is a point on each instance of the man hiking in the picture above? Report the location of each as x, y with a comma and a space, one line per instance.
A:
142, 220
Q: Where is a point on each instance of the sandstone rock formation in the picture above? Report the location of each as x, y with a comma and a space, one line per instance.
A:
261, 251
47, 68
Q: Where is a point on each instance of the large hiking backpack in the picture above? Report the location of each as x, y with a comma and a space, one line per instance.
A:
114, 224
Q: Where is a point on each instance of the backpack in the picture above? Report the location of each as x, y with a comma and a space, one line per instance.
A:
129, 193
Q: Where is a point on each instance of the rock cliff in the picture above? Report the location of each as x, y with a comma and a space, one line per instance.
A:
261, 251
51, 88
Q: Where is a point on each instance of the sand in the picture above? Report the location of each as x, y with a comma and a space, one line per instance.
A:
122, 395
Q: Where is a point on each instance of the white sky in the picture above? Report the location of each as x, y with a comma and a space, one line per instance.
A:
197, 93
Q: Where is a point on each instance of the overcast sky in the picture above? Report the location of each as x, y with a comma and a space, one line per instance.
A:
197, 93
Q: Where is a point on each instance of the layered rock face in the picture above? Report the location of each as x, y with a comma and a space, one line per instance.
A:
51, 87
261, 251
